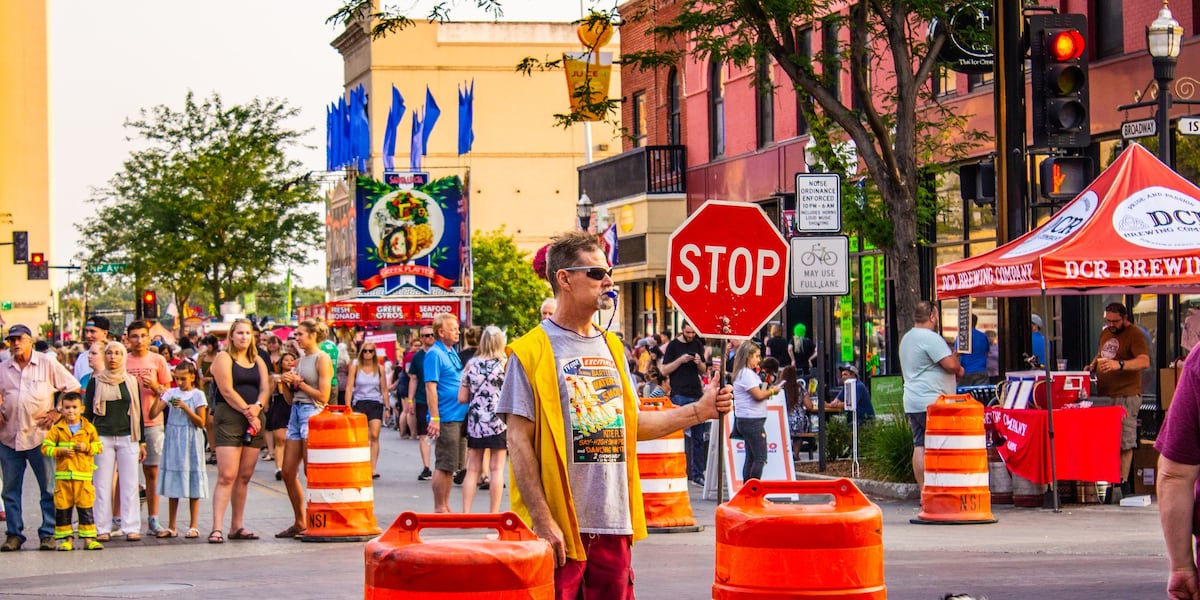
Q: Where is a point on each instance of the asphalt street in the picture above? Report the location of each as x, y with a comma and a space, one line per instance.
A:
1083, 552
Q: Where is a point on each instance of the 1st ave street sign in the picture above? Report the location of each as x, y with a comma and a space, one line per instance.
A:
107, 268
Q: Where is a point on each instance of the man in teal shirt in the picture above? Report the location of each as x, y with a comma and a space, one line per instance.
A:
443, 376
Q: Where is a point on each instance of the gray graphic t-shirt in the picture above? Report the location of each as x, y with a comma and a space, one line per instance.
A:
589, 385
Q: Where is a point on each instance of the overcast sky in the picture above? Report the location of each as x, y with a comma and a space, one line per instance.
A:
110, 59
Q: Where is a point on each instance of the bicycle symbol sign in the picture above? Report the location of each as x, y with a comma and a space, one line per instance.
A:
820, 266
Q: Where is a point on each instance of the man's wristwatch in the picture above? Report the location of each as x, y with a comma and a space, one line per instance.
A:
1121, 365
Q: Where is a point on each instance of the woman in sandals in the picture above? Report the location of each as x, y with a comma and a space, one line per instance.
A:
308, 391
243, 386
112, 402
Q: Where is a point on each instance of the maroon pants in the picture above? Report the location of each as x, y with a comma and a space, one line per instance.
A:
607, 574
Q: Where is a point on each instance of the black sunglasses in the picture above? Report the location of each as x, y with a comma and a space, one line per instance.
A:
366, 350
597, 273
426, 335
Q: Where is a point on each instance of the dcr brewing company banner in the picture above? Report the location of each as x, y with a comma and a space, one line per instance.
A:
411, 240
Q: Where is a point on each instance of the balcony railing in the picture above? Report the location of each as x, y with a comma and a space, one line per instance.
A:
648, 170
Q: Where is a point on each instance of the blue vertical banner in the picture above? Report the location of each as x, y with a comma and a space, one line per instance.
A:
428, 119
395, 115
416, 149
411, 238
466, 117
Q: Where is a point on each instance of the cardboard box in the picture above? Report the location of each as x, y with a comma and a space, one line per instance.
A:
1145, 467
1167, 380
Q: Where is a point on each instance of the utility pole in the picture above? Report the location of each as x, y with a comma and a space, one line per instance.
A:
1012, 313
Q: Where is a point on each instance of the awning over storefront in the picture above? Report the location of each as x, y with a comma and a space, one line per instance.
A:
356, 313
1135, 229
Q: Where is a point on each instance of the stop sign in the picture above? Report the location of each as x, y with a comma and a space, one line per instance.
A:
727, 269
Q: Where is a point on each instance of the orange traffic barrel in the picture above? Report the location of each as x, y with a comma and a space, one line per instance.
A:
341, 499
662, 463
515, 566
757, 537
956, 464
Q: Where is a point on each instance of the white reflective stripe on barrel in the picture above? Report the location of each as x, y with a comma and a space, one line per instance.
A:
664, 486
951, 479
954, 442
332, 456
661, 446
341, 495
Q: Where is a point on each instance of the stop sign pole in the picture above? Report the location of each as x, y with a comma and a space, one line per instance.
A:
727, 272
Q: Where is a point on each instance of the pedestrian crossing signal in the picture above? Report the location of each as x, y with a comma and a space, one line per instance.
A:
1064, 177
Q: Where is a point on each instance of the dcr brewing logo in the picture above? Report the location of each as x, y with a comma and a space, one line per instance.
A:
1060, 227
1159, 217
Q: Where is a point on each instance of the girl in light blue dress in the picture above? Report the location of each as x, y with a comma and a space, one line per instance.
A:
182, 473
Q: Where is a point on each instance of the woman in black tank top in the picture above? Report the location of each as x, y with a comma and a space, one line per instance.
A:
242, 388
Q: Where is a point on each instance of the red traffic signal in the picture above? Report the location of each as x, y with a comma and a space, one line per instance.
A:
37, 258
1064, 45
149, 304
1059, 81
37, 268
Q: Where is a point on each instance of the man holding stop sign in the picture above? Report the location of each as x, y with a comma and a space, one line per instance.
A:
573, 427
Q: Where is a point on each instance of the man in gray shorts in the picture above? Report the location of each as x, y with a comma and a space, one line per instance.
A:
930, 369
443, 376
1118, 366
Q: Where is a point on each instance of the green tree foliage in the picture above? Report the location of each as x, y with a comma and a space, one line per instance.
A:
212, 201
902, 134
505, 291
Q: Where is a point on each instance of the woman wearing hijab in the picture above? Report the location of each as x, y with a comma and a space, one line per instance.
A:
112, 402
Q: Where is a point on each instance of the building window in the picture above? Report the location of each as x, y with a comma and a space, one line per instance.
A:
831, 62
1110, 28
716, 110
976, 81
674, 111
803, 102
639, 119
944, 81
765, 95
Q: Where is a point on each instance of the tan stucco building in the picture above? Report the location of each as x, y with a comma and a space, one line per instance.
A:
24, 158
522, 168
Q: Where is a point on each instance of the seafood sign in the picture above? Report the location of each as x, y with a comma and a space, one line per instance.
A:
412, 238
597, 417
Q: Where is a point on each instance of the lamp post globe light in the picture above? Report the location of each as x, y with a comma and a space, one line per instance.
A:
583, 210
1163, 38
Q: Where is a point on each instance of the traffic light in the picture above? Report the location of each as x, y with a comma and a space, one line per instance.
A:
37, 268
149, 304
1064, 177
1059, 80
20, 245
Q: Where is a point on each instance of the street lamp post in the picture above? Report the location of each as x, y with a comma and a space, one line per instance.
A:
1163, 37
583, 210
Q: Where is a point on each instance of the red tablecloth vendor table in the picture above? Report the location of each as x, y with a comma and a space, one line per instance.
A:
1087, 442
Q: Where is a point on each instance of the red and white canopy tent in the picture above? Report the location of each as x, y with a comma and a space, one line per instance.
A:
1134, 230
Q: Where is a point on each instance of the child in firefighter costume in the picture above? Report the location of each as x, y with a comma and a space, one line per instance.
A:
73, 442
